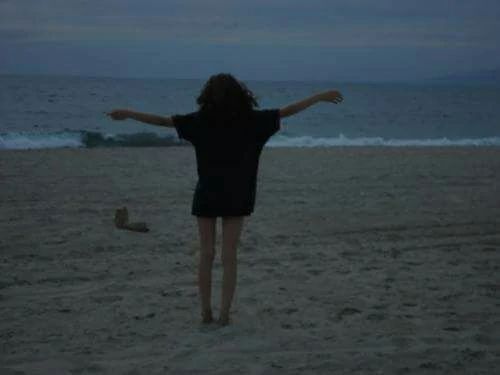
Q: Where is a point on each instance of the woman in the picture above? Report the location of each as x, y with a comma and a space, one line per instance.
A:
228, 135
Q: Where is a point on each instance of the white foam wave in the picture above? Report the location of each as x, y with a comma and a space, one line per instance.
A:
75, 139
341, 140
40, 140
82, 138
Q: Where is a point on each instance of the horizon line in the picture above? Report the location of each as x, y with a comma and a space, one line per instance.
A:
430, 80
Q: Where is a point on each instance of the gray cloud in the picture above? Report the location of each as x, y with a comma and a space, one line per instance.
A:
318, 22
383, 27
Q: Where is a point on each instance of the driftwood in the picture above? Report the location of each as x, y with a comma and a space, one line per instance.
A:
121, 222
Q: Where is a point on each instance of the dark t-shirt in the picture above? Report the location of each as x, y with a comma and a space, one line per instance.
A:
227, 156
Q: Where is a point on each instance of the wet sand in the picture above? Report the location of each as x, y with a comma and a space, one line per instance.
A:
356, 260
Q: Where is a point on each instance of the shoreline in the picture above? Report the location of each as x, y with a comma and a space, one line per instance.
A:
267, 147
78, 139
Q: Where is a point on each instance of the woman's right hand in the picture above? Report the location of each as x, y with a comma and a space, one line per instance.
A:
332, 96
118, 114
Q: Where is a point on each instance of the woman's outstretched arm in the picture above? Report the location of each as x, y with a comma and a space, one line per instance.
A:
327, 96
148, 118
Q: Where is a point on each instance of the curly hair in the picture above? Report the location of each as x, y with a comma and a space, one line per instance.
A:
226, 98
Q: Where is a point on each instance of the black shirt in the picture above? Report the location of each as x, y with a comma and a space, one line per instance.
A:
227, 157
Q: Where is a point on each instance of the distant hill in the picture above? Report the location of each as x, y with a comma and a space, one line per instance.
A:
491, 76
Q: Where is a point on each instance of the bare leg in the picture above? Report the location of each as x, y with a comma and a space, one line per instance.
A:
231, 231
207, 232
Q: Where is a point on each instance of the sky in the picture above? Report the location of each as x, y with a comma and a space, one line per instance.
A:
335, 40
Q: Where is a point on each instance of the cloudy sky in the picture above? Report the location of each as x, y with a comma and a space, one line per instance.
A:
346, 40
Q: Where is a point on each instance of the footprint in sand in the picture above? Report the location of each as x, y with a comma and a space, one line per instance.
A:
402, 370
107, 299
489, 249
484, 339
447, 297
376, 317
369, 268
452, 329
146, 316
347, 311
298, 256
395, 253
430, 366
409, 304
471, 355
380, 307
289, 310
315, 272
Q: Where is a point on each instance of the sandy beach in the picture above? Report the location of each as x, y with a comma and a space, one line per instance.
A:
356, 260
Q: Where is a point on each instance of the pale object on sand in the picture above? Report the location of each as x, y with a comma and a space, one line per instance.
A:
121, 221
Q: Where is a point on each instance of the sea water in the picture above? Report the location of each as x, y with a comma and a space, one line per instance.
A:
51, 111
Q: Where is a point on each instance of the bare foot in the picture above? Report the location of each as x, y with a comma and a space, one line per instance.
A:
207, 317
223, 320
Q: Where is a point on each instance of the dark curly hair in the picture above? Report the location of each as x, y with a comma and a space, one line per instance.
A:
225, 98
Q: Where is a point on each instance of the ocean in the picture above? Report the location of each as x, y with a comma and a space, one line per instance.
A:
51, 111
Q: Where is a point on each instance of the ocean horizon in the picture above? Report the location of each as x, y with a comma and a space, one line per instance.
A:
43, 111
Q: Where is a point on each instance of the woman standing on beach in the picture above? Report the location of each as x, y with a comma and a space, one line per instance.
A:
228, 135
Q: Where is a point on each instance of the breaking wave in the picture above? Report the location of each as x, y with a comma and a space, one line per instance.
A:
87, 139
